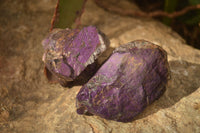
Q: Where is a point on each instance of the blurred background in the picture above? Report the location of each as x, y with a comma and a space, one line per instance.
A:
187, 25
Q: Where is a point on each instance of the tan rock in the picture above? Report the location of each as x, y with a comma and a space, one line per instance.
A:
178, 110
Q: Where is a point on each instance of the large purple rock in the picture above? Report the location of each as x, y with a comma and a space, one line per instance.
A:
69, 52
133, 77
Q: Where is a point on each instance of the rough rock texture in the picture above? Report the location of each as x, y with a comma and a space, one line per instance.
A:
29, 104
133, 77
68, 52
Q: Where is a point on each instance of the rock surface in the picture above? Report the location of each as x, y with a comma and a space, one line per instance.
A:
134, 76
68, 53
30, 104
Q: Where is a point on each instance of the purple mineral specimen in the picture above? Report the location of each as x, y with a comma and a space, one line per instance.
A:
69, 52
133, 77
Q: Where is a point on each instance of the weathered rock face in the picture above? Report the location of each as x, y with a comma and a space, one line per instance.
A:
133, 77
69, 52
39, 107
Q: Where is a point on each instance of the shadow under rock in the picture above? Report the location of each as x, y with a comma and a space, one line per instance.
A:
185, 79
87, 74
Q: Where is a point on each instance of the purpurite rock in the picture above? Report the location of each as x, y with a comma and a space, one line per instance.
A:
69, 52
133, 77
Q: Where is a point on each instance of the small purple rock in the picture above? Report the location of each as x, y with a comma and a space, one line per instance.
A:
133, 77
69, 52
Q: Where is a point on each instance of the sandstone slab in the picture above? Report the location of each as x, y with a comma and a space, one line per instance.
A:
34, 105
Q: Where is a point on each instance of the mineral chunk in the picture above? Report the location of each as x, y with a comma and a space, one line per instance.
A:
133, 77
69, 52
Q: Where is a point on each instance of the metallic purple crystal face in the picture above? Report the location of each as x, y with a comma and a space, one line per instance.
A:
134, 76
69, 52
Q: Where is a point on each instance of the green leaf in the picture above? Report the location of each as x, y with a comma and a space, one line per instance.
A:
194, 2
195, 17
67, 12
193, 20
170, 6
